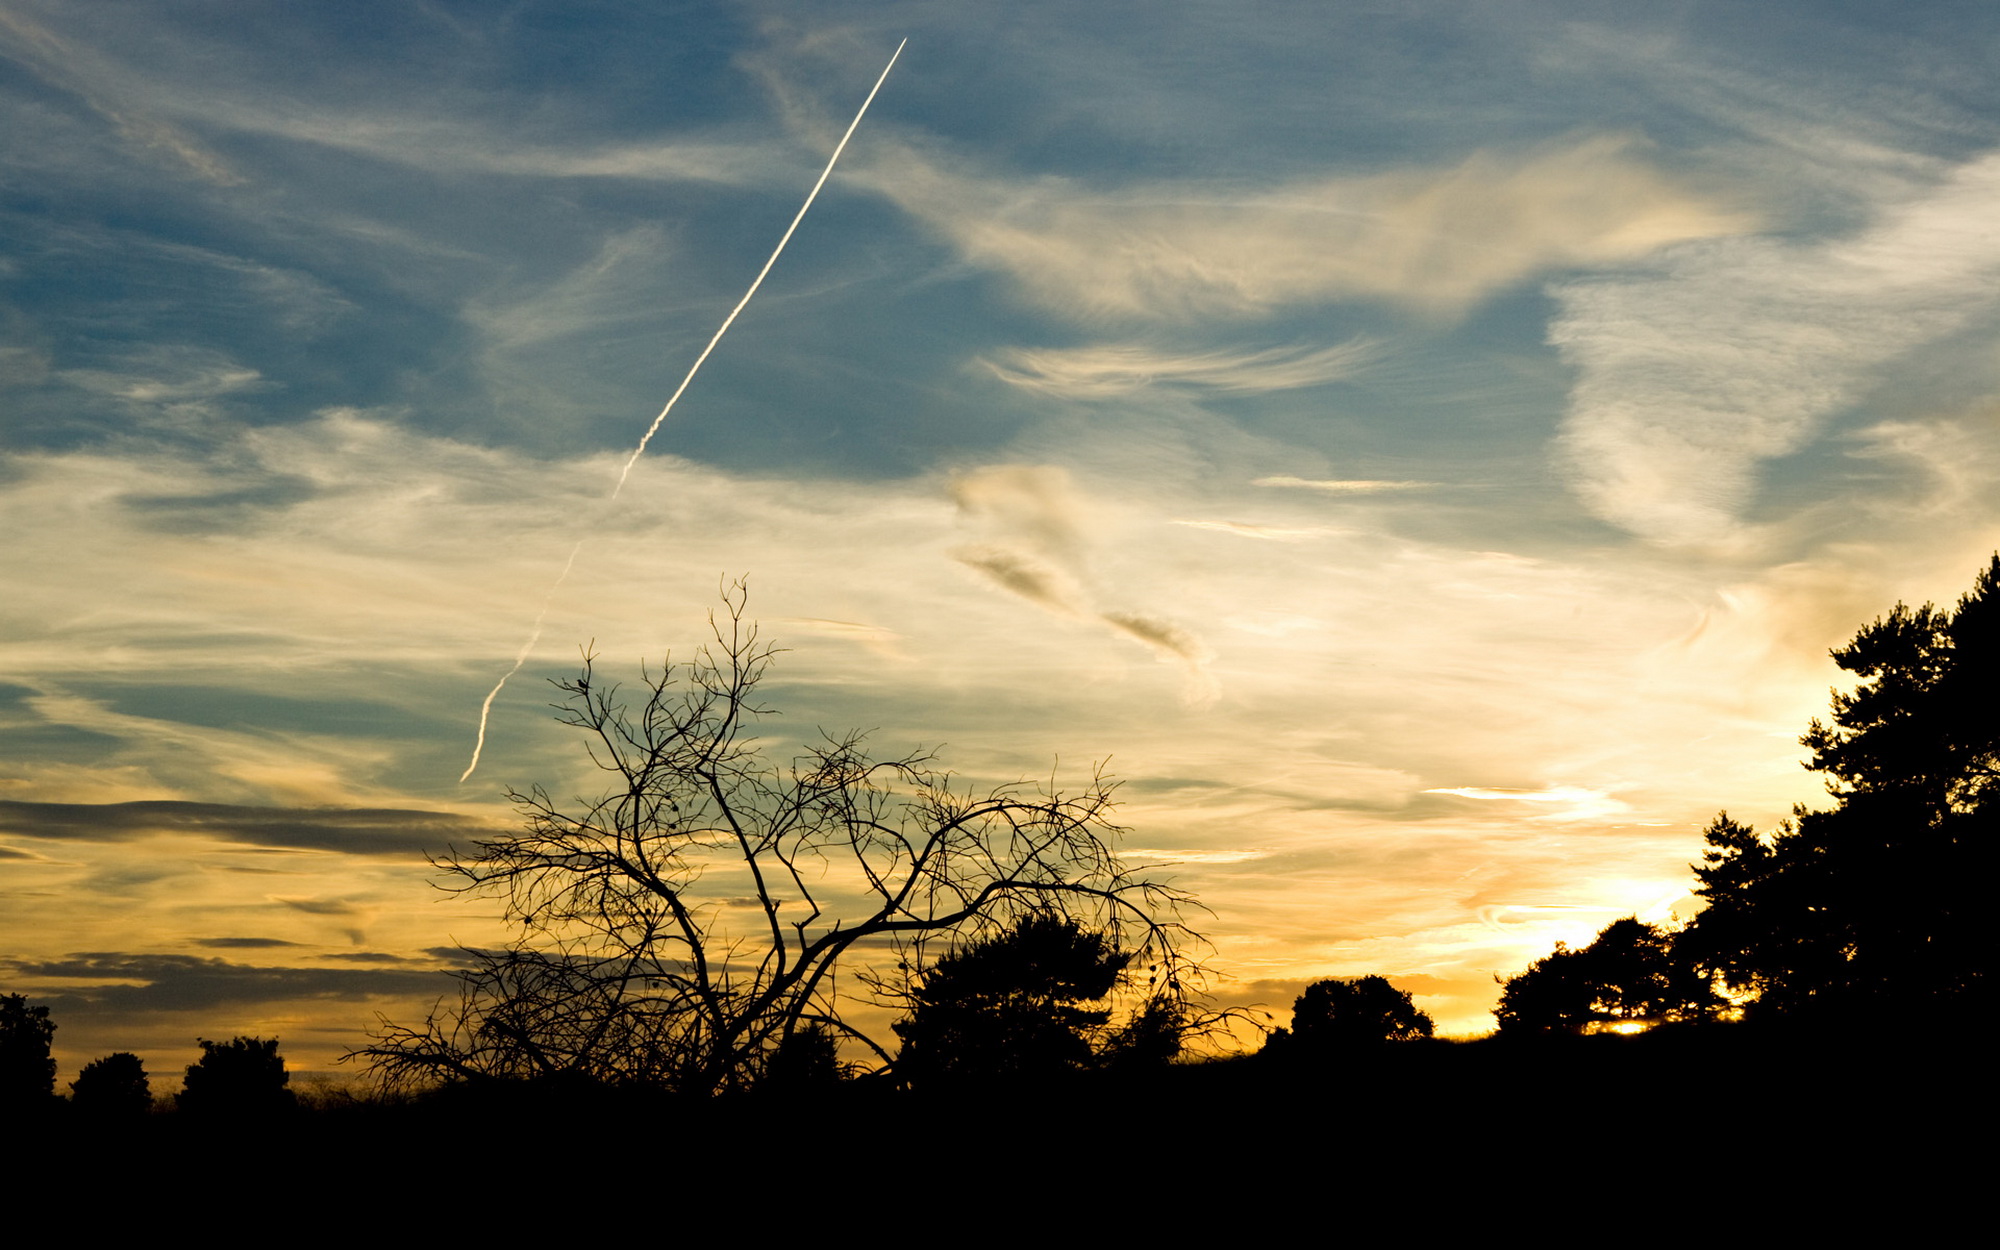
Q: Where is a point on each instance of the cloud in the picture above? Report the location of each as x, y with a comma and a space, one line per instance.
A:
157, 106
1571, 802
1955, 466
1436, 240
145, 983
1340, 486
332, 908
1036, 521
1034, 505
1269, 533
353, 831
1105, 370
1225, 855
460, 145
879, 641
1162, 635
109, 91
320, 906
1736, 352
1033, 520
308, 764
1036, 581
160, 374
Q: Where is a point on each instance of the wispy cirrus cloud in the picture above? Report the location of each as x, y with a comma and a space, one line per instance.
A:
1735, 352
1437, 240
466, 146
168, 109
1562, 803
1340, 486
163, 375
1267, 533
108, 90
1107, 370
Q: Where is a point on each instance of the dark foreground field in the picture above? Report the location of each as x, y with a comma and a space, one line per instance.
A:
1722, 1128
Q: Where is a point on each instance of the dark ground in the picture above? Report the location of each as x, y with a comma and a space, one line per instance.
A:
1717, 1132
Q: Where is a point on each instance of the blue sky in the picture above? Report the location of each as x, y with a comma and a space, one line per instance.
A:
1427, 449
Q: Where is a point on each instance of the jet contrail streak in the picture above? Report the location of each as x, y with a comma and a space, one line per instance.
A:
535, 635
775, 253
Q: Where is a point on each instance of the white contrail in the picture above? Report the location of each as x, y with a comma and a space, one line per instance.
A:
535, 635
775, 253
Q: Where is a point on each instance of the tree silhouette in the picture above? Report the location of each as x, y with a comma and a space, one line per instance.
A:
1347, 1014
1009, 1007
243, 1076
677, 931
1630, 973
27, 1074
1877, 905
114, 1086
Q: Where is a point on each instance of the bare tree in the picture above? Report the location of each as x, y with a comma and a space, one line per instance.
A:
679, 929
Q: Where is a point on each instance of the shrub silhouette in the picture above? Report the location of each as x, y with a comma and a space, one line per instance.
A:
115, 1085
1345, 1015
243, 1076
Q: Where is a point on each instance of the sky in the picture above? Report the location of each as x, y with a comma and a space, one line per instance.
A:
1424, 450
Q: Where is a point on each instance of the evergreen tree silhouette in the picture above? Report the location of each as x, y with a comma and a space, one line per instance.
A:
1876, 907
1010, 1007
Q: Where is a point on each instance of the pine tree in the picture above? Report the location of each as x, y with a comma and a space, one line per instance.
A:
1875, 906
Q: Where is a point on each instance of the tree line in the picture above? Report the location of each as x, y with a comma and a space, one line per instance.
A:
244, 1075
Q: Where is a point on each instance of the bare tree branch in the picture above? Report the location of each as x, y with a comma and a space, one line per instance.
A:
630, 966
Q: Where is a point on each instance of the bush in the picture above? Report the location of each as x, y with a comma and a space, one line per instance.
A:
243, 1076
1367, 1011
115, 1085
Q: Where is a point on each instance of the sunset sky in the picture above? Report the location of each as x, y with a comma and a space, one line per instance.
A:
1428, 449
